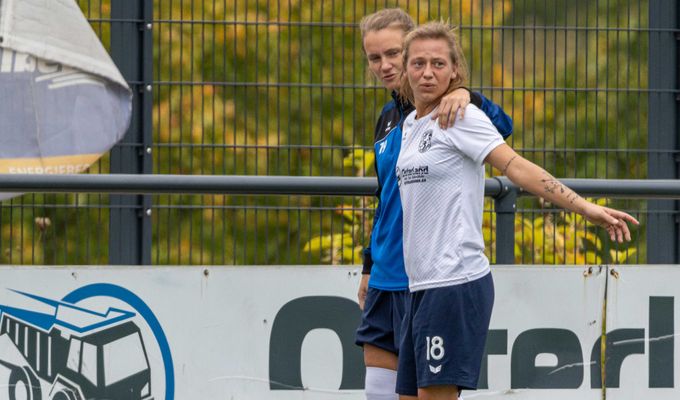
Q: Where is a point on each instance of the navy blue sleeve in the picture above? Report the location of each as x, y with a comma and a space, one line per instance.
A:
498, 117
368, 260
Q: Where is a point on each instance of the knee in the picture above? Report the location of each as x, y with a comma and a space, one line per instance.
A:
377, 357
444, 392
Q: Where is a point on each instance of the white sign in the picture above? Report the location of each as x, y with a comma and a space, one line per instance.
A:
287, 333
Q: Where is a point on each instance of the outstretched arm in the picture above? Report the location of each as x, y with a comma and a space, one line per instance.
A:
536, 180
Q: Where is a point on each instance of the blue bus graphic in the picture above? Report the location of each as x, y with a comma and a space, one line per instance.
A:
73, 353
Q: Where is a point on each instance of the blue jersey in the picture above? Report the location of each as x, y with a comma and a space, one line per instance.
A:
385, 255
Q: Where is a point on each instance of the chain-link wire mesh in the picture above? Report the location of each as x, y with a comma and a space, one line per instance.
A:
280, 87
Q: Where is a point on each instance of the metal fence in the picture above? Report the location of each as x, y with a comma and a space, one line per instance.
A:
274, 87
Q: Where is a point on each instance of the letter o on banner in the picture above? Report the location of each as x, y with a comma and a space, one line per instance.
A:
300, 316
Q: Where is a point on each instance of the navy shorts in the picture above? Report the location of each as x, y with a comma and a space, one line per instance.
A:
444, 336
381, 321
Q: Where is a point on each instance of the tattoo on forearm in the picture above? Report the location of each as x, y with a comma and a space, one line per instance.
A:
552, 185
572, 197
508, 164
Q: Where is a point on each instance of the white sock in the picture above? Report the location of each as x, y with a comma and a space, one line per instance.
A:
381, 384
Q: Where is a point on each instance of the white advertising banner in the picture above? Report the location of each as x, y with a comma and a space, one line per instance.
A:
544, 322
641, 317
287, 333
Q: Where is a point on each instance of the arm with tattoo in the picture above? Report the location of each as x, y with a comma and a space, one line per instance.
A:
552, 185
536, 180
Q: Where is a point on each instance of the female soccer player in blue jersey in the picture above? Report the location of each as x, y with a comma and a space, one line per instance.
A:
382, 37
441, 181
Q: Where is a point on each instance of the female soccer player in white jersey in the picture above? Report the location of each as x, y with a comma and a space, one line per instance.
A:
382, 299
441, 181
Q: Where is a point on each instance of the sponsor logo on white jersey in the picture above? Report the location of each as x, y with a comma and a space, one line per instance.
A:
415, 174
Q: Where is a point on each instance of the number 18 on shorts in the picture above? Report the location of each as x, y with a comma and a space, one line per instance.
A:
444, 336
435, 352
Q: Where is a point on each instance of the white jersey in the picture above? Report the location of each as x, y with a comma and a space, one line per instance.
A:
441, 181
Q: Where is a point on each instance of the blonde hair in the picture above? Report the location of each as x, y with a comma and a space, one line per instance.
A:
386, 18
436, 30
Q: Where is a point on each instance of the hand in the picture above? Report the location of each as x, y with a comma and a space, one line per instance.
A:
613, 221
363, 290
452, 103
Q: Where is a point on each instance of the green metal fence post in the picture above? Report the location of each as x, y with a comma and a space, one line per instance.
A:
662, 227
505, 207
131, 48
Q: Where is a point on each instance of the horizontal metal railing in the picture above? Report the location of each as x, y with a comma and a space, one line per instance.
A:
300, 185
504, 192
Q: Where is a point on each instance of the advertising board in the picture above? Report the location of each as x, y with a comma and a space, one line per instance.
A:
286, 333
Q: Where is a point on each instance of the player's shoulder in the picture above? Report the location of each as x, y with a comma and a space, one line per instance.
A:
474, 112
390, 106
474, 118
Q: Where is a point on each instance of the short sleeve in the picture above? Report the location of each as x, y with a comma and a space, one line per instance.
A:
474, 135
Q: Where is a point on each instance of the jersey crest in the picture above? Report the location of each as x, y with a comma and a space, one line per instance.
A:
425, 141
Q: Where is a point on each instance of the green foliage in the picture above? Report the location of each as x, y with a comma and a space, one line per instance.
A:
573, 97
346, 247
558, 237
549, 238
281, 88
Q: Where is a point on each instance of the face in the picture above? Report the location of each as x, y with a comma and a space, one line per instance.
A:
429, 70
383, 50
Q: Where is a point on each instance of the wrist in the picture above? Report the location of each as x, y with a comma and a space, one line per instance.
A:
580, 206
368, 264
